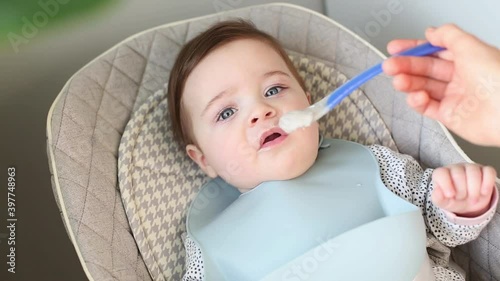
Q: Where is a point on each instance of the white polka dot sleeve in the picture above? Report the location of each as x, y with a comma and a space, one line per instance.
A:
403, 175
194, 261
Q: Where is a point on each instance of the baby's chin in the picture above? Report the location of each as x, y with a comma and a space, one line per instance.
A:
275, 175
293, 172
286, 165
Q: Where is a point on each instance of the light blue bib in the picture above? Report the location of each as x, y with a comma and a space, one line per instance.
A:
335, 222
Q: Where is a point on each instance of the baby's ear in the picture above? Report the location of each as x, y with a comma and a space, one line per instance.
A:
197, 156
308, 97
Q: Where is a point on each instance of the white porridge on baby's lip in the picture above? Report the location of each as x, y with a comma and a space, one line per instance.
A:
293, 120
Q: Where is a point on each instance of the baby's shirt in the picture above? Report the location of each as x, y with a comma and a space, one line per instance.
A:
403, 176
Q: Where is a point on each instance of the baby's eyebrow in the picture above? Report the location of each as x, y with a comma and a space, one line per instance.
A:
275, 72
213, 100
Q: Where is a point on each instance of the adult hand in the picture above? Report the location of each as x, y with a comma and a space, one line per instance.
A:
460, 87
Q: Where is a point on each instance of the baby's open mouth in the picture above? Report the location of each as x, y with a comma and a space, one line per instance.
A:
272, 137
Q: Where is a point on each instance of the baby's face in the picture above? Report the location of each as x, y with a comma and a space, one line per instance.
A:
234, 99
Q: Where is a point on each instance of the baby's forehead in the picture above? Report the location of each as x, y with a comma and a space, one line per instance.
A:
247, 47
246, 56
237, 62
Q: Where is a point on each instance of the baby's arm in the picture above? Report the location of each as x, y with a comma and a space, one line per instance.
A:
403, 175
194, 261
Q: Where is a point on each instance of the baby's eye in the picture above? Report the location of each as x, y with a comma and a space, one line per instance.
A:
273, 91
226, 113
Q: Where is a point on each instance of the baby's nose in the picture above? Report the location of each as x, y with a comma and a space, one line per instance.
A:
261, 113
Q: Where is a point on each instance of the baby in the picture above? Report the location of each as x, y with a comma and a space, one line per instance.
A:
227, 91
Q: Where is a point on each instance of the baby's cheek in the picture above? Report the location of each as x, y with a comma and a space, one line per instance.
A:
245, 151
310, 145
232, 169
228, 162
238, 174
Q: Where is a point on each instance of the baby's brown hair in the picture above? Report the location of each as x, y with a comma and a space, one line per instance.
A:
198, 48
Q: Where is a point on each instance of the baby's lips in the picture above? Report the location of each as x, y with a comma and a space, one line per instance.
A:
269, 132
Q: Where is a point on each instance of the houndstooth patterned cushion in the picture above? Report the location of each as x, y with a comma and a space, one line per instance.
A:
88, 117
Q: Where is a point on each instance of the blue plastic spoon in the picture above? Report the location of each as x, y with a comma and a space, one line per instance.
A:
293, 120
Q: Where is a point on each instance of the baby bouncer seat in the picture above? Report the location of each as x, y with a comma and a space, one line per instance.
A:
123, 185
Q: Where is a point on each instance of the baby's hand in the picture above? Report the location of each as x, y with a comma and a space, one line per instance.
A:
464, 189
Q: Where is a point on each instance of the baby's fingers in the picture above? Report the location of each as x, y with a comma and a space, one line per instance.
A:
459, 179
442, 179
438, 197
489, 176
474, 179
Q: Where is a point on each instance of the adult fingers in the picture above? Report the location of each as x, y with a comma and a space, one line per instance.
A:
399, 45
412, 83
435, 68
452, 38
422, 103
